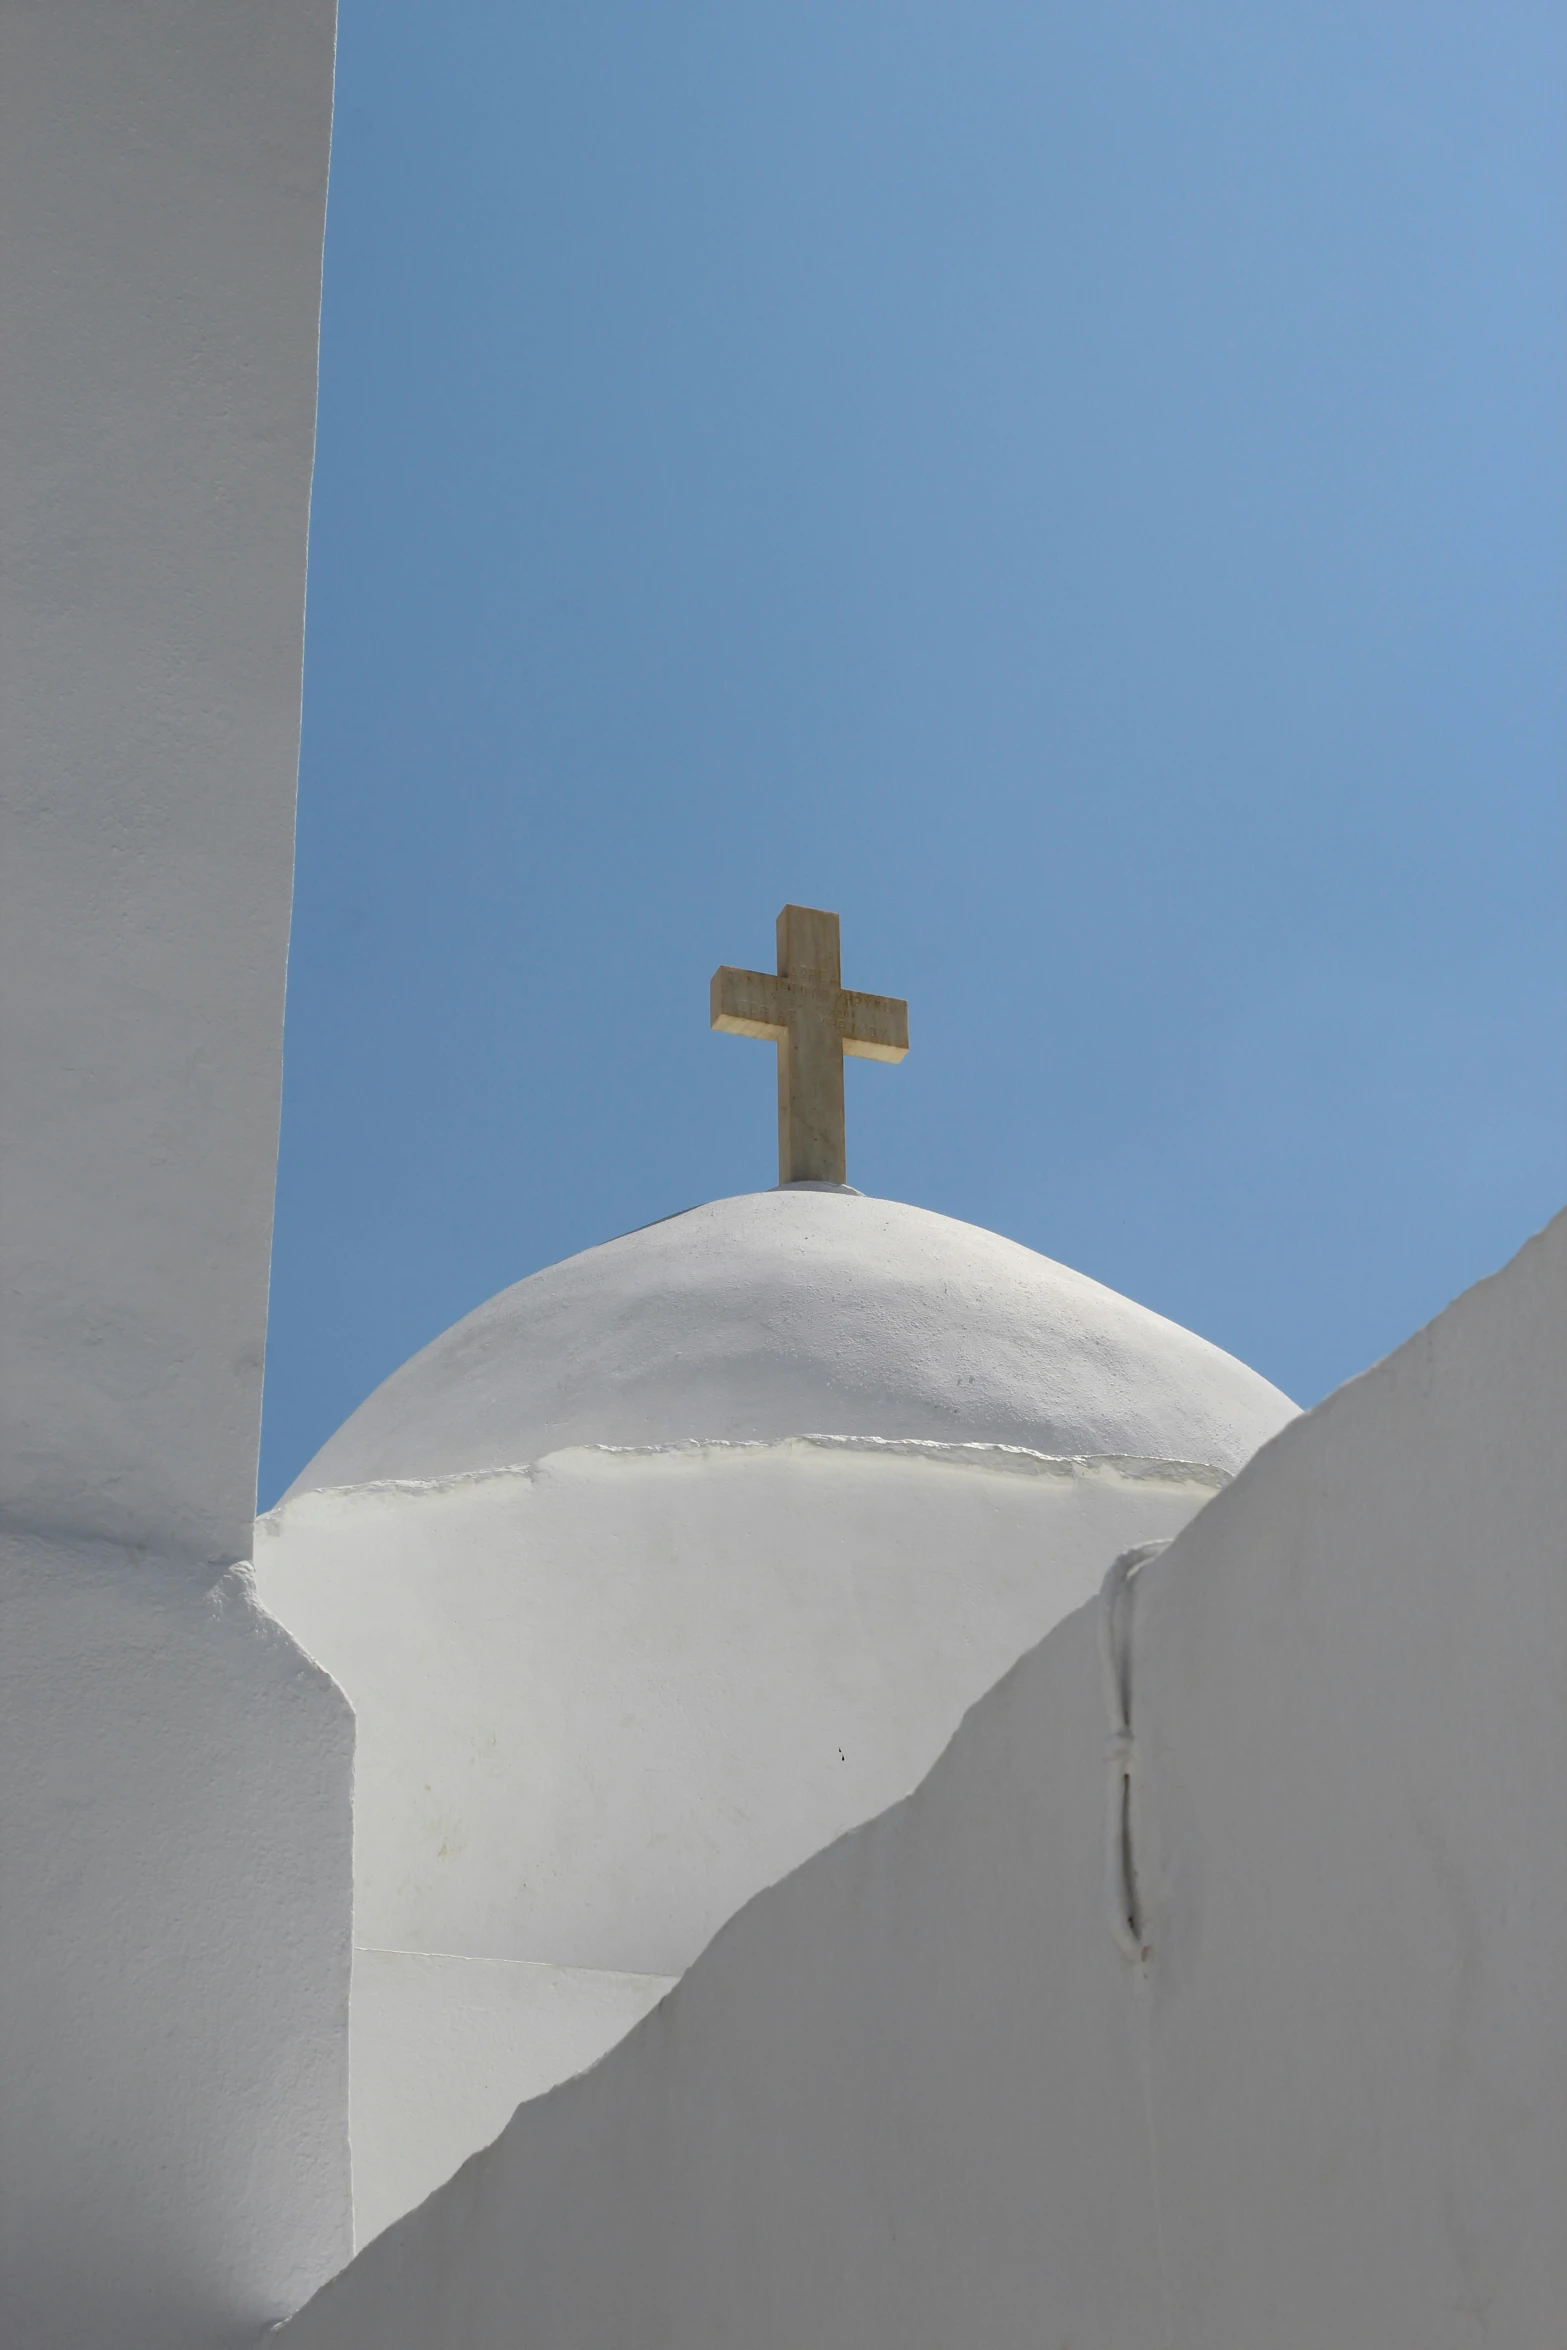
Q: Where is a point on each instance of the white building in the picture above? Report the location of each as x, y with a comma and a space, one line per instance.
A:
670, 1564
929, 2090
702, 1660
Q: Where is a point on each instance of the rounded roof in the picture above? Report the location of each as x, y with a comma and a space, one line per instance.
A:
802, 1312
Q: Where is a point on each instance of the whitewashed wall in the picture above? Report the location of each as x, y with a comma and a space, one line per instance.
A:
163, 177
175, 1802
174, 1782
602, 1702
443, 2050
1351, 1706
914, 2095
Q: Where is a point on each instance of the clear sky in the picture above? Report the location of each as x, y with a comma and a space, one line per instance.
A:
1078, 488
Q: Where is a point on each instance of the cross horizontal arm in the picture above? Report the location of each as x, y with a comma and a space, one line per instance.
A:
873, 1027
758, 1003
750, 1003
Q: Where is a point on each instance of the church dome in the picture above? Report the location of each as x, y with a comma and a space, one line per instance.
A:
804, 1311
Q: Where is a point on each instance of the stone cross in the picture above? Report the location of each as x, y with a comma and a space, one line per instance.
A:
814, 1020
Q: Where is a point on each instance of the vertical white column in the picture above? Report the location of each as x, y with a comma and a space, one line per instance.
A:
175, 1868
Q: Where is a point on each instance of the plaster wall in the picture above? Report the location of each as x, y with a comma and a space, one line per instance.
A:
603, 1702
914, 2095
175, 1890
1350, 1701
175, 1829
444, 2050
163, 183
895, 2103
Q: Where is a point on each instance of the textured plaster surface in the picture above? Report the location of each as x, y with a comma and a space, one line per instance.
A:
163, 184
175, 1865
175, 1862
783, 1311
445, 2050
895, 2103
601, 1702
1351, 1711
913, 2095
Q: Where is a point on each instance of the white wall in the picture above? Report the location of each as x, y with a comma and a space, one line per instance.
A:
175, 1824
163, 184
894, 2106
915, 2096
602, 1702
445, 2049
174, 1872
1352, 1710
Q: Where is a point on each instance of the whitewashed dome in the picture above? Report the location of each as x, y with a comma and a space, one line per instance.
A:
803, 1311
669, 1565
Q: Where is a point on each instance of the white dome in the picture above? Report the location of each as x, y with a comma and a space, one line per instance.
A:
669, 1565
785, 1313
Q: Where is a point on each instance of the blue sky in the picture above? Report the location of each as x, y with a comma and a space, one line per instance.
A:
1077, 488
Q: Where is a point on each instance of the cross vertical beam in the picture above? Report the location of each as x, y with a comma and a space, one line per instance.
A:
813, 1019
811, 1139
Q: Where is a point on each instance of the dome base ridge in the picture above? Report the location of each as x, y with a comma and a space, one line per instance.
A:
1012, 1459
